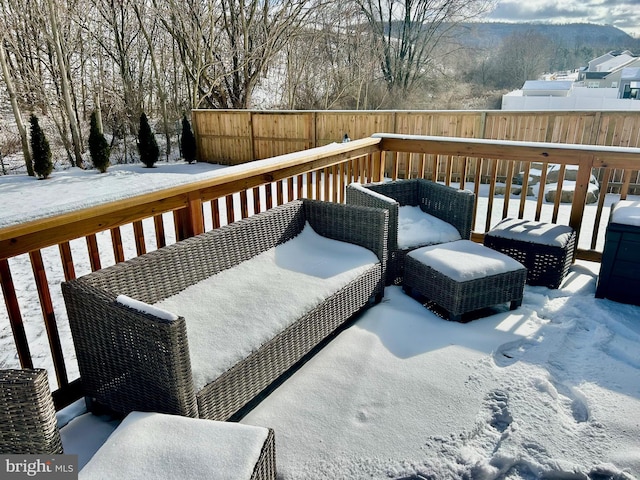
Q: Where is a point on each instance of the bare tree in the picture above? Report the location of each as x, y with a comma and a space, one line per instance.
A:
119, 42
16, 110
162, 94
34, 62
331, 63
226, 47
521, 57
64, 82
408, 31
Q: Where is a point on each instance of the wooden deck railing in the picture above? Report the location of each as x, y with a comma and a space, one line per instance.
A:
66, 245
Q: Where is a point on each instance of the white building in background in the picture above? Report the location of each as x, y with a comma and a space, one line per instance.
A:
577, 98
606, 70
609, 82
630, 83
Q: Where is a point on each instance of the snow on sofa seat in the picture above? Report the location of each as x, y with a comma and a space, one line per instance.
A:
259, 298
177, 361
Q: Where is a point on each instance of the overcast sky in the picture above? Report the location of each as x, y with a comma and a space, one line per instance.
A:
624, 14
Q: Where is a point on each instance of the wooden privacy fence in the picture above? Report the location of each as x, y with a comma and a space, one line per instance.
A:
68, 245
238, 136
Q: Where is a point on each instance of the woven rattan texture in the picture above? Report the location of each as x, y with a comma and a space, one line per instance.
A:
458, 298
28, 422
446, 203
130, 360
547, 265
265, 468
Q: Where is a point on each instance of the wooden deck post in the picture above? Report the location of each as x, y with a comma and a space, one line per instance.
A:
580, 194
190, 220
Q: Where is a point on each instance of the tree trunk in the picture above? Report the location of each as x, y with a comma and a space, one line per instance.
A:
98, 111
16, 111
162, 94
64, 83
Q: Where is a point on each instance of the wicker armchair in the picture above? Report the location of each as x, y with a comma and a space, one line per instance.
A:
451, 205
28, 423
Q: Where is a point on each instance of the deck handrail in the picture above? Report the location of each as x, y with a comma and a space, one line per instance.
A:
28, 236
625, 157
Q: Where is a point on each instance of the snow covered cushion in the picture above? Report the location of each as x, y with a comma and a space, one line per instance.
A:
153, 445
416, 228
231, 314
626, 212
540, 233
465, 260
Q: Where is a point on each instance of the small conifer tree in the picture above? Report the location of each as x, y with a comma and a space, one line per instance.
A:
40, 150
98, 146
188, 141
147, 145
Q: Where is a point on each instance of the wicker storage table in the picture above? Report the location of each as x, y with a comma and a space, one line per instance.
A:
464, 276
545, 249
618, 279
154, 445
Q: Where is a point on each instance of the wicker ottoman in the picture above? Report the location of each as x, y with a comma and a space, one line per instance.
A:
545, 249
464, 276
155, 445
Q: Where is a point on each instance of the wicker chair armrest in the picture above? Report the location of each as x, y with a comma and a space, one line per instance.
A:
404, 191
448, 204
362, 195
128, 359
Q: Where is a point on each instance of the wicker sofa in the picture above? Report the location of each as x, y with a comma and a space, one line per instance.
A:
137, 359
452, 206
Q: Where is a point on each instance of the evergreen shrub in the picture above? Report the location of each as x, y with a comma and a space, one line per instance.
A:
188, 141
98, 146
147, 144
40, 150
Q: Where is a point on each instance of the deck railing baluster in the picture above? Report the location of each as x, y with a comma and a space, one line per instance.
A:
67, 261
94, 253
15, 316
50, 323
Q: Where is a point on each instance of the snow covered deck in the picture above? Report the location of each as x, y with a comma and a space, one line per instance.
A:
550, 390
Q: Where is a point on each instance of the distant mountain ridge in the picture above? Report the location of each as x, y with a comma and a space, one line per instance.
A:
487, 34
